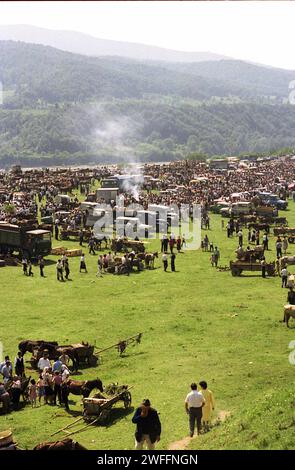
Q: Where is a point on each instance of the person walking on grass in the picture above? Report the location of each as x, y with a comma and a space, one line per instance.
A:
208, 407
30, 266
165, 261
91, 246
285, 245
67, 268
194, 403
178, 244
173, 256
99, 266
83, 264
212, 260
59, 270
284, 275
25, 266
279, 247
41, 266
265, 241
148, 426
217, 256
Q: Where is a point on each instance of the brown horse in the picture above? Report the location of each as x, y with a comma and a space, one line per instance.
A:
65, 444
289, 312
29, 345
79, 387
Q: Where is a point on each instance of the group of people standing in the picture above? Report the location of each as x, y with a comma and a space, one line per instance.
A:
52, 382
62, 266
50, 385
13, 380
172, 242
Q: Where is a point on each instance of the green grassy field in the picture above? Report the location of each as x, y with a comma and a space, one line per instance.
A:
197, 323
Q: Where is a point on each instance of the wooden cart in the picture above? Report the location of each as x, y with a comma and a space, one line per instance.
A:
97, 410
237, 267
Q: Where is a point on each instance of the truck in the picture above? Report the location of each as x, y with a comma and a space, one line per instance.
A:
273, 200
237, 209
29, 243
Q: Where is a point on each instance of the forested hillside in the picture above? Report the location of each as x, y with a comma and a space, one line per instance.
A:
60, 107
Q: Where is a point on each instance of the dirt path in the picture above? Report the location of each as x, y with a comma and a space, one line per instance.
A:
184, 443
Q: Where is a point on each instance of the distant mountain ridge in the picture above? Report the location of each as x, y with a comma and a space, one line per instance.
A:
85, 44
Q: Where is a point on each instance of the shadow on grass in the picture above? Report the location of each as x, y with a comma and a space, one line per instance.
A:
134, 354
116, 414
250, 276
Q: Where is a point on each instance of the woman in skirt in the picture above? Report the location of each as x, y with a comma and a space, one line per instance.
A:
83, 264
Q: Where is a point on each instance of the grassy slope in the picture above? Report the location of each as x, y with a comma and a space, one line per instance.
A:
198, 324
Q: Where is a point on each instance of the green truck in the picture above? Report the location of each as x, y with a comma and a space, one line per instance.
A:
29, 243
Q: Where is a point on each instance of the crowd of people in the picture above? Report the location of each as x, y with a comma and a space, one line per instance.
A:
49, 388
186, 182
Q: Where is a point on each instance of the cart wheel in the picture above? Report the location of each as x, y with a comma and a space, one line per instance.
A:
92, 360
291, 239
104, 417
127, 400
87, 418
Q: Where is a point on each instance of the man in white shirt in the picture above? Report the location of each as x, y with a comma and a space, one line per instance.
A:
6, 371
44, 362
284, 275
194, 403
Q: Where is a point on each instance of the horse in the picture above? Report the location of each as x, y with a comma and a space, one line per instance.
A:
23, 390
29, 345
289, 312
149, 260
69, 351
65, 444
98, 242
79, 387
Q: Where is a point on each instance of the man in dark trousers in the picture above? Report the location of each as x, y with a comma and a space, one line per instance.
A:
64, 395
56, 229
41, 266
148, 426
173, 256
19, 365
194, 403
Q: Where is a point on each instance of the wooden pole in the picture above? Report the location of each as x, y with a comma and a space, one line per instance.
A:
68, 426
84, 427
110, 347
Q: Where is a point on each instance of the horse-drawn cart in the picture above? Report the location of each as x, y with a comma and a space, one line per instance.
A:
97, 409
238, 266
74, 234
286, 232
123, 244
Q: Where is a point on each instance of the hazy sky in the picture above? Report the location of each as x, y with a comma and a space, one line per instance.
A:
258, 31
